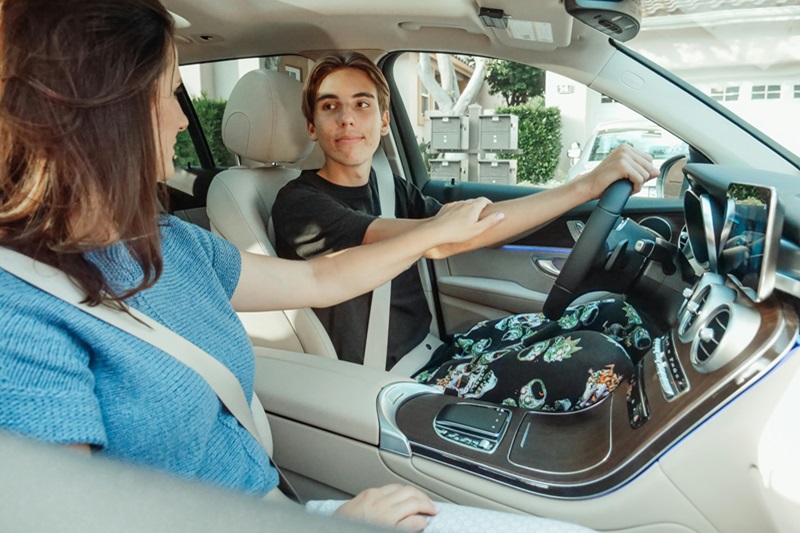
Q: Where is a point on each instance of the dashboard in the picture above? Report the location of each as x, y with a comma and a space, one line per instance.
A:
737, 320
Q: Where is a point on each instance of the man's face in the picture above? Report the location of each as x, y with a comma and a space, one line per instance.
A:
348, 123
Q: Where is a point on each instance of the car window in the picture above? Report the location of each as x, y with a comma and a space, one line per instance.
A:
500, 122
656, 142
209, 85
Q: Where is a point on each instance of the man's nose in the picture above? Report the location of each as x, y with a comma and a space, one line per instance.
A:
346, 116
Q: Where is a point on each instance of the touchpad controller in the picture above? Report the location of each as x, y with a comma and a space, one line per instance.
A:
480, 427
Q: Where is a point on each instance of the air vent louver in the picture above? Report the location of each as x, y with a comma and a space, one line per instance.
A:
710, 336
692, 318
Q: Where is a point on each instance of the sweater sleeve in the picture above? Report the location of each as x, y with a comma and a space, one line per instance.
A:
46, 385
226, 260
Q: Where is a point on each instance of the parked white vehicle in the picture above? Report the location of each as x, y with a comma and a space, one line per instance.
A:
641, 134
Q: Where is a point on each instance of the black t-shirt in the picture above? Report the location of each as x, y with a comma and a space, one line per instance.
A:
313, 216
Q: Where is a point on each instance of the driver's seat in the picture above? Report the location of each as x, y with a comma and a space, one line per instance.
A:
263, 125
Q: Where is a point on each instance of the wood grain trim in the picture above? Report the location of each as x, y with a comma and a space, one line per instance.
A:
631, 450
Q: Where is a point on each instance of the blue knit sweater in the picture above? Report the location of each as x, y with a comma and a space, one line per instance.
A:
66, 377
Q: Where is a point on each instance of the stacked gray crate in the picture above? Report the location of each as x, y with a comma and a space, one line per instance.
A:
445, 169
500, 171
499, 133
449, 134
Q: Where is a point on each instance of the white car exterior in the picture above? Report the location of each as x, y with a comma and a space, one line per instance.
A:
641, 134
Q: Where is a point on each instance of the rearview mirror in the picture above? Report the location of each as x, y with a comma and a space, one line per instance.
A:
619, 19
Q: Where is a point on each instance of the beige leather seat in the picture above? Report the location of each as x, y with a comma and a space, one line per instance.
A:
264, 126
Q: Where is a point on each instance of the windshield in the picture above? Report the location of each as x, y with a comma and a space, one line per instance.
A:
743, 54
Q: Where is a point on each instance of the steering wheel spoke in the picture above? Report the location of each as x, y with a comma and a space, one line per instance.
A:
582, 257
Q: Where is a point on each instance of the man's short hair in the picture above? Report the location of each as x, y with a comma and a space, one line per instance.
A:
330, 64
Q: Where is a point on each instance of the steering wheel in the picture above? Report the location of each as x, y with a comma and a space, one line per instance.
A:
593, 237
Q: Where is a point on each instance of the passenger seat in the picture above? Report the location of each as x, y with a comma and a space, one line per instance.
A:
264, 126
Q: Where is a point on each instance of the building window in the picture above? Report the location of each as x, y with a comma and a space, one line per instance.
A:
606, 99
728, 94
797, 92
424, 103
766, 92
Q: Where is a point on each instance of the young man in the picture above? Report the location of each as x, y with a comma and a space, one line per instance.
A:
346, 105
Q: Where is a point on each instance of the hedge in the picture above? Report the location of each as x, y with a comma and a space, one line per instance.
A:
539, 140
209, 112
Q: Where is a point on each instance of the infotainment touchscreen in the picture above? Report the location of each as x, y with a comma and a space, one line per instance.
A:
751, 238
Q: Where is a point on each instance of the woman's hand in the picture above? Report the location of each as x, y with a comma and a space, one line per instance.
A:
393, 505
624, 162
461, 221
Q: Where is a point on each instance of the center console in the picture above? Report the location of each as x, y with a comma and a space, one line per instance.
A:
723, 343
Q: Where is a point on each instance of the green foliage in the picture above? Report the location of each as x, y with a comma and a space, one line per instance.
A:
539, 140
209, 112
425, 150
515, 81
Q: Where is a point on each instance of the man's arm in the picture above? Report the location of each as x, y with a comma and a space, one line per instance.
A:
528, 212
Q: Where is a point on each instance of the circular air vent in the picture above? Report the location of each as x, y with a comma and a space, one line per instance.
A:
708, 296
724, 335
709, 338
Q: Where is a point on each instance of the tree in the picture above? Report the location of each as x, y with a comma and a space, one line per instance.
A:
517, 82
446, 94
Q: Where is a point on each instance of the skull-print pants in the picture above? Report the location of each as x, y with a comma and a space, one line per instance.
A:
539, 364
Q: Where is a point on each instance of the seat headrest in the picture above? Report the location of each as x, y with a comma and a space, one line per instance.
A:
263, 121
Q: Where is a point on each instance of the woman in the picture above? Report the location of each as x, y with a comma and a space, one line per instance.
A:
88, 119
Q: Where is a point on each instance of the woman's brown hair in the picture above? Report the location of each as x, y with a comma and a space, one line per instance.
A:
78, 158
330, 64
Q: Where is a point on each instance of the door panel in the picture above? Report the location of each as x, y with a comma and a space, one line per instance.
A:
494, 282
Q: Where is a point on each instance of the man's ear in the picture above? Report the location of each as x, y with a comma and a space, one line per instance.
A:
385, 122
312, 131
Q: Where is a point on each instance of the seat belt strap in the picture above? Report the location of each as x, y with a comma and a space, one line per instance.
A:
377, 343
221, 380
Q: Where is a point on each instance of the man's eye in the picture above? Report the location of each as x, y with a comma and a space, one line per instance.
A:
327, 107
363, 104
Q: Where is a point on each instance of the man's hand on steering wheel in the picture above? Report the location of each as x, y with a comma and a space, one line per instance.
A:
619, 175
624, 162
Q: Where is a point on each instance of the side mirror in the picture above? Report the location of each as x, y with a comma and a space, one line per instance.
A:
672, 183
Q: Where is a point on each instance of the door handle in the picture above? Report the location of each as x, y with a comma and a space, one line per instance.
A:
547, 266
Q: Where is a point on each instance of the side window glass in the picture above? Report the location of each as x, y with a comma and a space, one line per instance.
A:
493, 121
209, 85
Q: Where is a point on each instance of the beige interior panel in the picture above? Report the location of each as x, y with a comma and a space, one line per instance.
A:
510, 264
342, 463
333, 395
722, 485
463, 311
496, 293
778, 471
653, 503
460, 315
